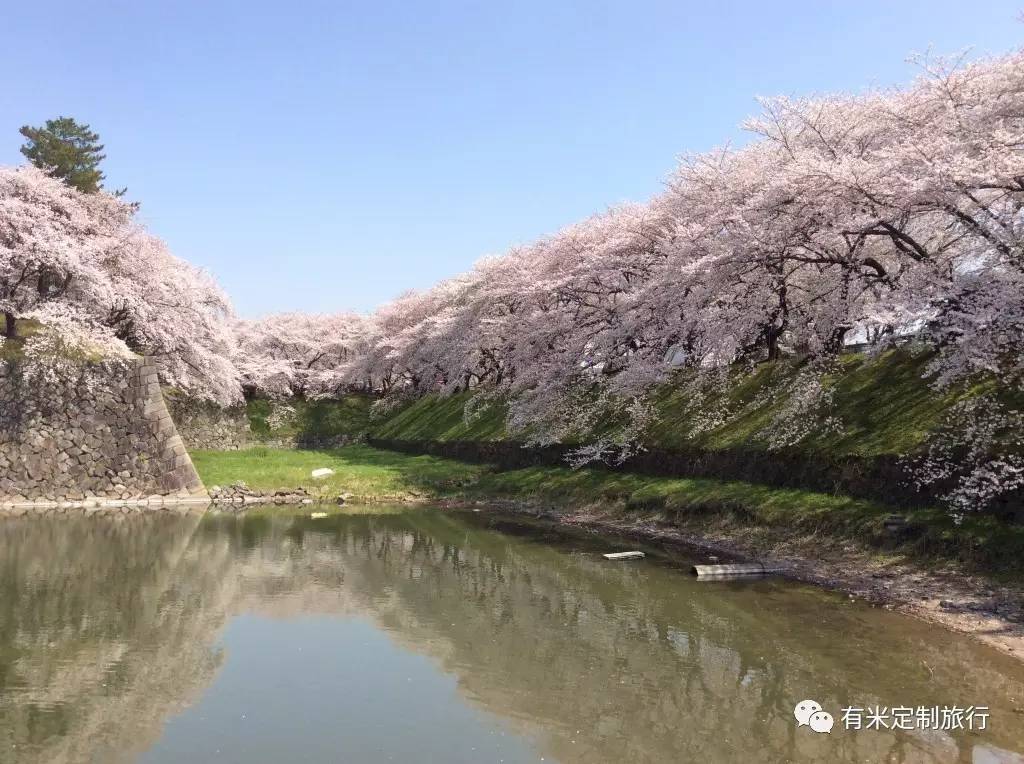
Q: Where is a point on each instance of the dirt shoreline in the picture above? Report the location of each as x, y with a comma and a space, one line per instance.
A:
988, 611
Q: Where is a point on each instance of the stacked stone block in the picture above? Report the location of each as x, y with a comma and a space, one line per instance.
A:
208, 427
103, 432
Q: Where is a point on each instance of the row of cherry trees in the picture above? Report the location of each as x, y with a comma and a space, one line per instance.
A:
846, 219
850, 217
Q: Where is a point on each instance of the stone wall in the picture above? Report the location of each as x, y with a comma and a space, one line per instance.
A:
209, 427
98, 430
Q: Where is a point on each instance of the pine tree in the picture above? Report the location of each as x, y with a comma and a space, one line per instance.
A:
67, 150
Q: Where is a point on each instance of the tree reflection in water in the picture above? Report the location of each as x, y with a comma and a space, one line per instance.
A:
110, 626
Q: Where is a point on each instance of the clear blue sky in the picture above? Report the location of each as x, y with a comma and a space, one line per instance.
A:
323, 156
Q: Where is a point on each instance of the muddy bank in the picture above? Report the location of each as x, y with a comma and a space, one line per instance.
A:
986, 610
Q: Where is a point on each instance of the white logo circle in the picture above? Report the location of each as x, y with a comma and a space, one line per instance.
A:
803, 711
822, 721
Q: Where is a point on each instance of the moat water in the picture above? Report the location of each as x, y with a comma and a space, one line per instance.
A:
422, 635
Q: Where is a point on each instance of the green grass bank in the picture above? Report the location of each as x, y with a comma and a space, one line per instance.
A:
885, 407
979, 543
885, 404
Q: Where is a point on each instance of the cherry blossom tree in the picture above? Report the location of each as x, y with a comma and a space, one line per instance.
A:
53, 241
299, 354
80, 266
166, 308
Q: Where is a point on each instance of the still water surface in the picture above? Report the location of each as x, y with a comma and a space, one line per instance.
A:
432, 636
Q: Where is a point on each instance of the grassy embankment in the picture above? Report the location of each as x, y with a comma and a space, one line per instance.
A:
312, 421
885, 407
12, 349
376, 475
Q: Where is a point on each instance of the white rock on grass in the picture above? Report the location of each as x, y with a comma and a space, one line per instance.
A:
322, 472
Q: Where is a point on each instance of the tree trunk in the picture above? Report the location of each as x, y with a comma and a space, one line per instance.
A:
773, 336
837, 340
10, 326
